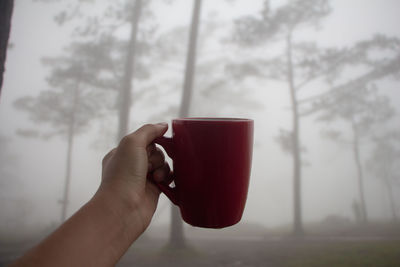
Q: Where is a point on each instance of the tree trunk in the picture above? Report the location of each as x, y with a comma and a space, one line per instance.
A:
65, 200
177, 238
190, 61
125, 93
6, 9
360, 176
296, 152
70, 144
391, 198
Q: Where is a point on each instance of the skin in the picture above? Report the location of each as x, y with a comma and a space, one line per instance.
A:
120, 211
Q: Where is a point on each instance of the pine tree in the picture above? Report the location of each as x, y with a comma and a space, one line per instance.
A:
299, 64
67, 108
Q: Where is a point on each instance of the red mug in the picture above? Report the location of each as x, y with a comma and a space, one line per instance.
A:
211, 169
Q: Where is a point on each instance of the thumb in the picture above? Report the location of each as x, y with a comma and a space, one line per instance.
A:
147, 133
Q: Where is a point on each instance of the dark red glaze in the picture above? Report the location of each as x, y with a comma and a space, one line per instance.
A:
212, 164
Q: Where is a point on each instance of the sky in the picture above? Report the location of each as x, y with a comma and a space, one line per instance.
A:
329, 184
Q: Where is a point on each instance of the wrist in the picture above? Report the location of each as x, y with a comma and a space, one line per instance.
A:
117, 194
123, 207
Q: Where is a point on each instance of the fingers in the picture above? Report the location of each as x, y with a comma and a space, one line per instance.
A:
147, 133
157, 165
138, 141
137, 152
162, 174
156, 159
151, 149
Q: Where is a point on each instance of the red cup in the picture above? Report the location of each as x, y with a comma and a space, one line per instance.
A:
211, 169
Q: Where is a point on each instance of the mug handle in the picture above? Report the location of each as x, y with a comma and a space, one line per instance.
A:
170, 192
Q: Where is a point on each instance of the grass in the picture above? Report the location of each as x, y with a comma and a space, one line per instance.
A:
286, 253
371, 253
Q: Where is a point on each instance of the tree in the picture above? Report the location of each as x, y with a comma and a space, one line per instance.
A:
177, 236
125, 91
170, 49
363, 110
304, 64
384, 164
110, 59
119, 60
119, 15
300, 64
125, 66
7, 164
6, 9
355, 99
68, 107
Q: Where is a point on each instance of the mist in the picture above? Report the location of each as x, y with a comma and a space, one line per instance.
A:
320, 79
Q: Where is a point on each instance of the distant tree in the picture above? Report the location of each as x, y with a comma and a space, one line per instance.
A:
177, 235
358, 213
211, 82
8, 165
67, 108
355, 99
126, 89
6, 9
305, 64
120, 60
124, 51
299, 64
363, 111
170, 53
110, 58
190, 61
15, 207
384, 164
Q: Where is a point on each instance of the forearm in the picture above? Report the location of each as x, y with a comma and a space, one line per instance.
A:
97, 235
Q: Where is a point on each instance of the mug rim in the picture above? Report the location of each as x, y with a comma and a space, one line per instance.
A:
212, 119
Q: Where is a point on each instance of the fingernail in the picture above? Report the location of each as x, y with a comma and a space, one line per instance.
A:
162, 124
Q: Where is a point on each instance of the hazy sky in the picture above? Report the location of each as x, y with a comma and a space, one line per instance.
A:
329, 183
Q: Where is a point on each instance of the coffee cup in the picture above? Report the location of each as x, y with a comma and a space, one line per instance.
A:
211, 169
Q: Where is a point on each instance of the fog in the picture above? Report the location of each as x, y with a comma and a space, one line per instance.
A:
234, 77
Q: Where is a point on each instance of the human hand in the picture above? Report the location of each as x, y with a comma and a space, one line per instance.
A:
125, 169
118, 213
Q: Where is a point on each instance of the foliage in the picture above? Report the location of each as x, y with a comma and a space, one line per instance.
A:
70, 99
363, 108
270, 24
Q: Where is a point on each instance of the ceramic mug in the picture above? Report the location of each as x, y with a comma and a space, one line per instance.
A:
211, 169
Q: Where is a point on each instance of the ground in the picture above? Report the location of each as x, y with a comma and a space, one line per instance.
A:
290, 253
376, 245
279, 253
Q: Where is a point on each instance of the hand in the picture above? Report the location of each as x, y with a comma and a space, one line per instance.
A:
125, 171
119, 212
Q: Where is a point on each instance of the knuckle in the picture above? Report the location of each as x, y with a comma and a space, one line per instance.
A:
148, 126
129, 140
107, 157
